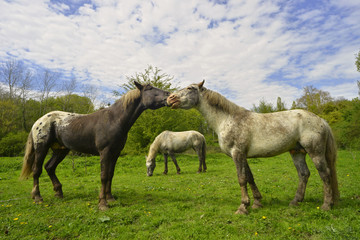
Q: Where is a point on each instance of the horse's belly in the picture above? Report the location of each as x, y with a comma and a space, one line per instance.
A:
270, 147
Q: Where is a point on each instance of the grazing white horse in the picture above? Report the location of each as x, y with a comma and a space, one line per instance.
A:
244, 134
170, 143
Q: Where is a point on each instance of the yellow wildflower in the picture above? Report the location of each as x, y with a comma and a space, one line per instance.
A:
15, 219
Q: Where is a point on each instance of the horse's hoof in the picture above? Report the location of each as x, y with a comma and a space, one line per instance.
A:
256, 206
112, 199
325, 207
165, 173
294, 203
59, 195
178, 173
38, 199
103, 207
242, 211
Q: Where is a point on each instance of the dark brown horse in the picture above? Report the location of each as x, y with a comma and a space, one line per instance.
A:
101, 133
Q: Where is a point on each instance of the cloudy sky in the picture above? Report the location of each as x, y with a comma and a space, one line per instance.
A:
247, 50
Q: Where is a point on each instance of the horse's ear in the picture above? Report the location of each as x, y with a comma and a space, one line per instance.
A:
201, 84
138, 85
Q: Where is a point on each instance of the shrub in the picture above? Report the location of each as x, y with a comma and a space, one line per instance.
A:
13, 144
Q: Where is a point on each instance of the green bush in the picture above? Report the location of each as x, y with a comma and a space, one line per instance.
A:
13, 144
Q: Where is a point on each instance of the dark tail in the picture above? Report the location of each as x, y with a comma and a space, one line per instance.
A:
204, 154
330, 155
29, 158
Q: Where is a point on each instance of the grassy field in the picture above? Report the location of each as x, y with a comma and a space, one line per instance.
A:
186, 206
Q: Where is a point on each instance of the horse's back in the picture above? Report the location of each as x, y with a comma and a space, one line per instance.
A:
178, 141
274, 133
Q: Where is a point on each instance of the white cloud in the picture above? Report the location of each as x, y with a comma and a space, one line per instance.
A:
237, 47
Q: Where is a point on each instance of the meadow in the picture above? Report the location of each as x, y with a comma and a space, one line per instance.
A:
185, 206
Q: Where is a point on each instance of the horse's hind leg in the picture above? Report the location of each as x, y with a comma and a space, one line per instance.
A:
50, 166
324, 172
201, 155
299, 159
198, 151
40, 154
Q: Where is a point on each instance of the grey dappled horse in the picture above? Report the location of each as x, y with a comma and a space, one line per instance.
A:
170, 143
101, 133
244, 134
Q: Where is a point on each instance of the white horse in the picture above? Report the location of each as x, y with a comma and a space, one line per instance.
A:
170, 143
244, 134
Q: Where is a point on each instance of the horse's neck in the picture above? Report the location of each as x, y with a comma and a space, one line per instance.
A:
213, 116
154, 148
129, 114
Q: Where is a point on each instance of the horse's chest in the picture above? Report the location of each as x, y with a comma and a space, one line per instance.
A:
226, 142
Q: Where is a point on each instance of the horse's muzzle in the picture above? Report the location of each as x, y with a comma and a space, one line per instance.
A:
173, 101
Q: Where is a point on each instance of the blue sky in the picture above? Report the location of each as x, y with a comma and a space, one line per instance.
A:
247, 50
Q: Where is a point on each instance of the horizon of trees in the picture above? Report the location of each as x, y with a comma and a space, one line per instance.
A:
25, 96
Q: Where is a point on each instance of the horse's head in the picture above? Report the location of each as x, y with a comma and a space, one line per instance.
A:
187, 97
152, 97
150, 165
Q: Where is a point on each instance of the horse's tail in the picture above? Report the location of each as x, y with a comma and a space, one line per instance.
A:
203, 153
29, 158
204, 149
330, 155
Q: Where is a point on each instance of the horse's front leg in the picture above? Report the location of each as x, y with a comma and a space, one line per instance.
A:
240, 163
106, 162
176, 164
254, 189
165, 163
108, 194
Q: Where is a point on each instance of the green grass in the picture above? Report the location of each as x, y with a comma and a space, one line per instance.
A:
186, 206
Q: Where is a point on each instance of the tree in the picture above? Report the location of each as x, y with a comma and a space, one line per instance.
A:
8, 116
313, 99
11, 74
280, 106
69, 88
90, 92
152, 75
47, 81
24, 88
263, 107
357, 63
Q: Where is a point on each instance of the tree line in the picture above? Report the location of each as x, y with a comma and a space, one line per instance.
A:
25, 96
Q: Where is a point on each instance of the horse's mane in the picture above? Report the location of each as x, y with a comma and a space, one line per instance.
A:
128, 97
220, 102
